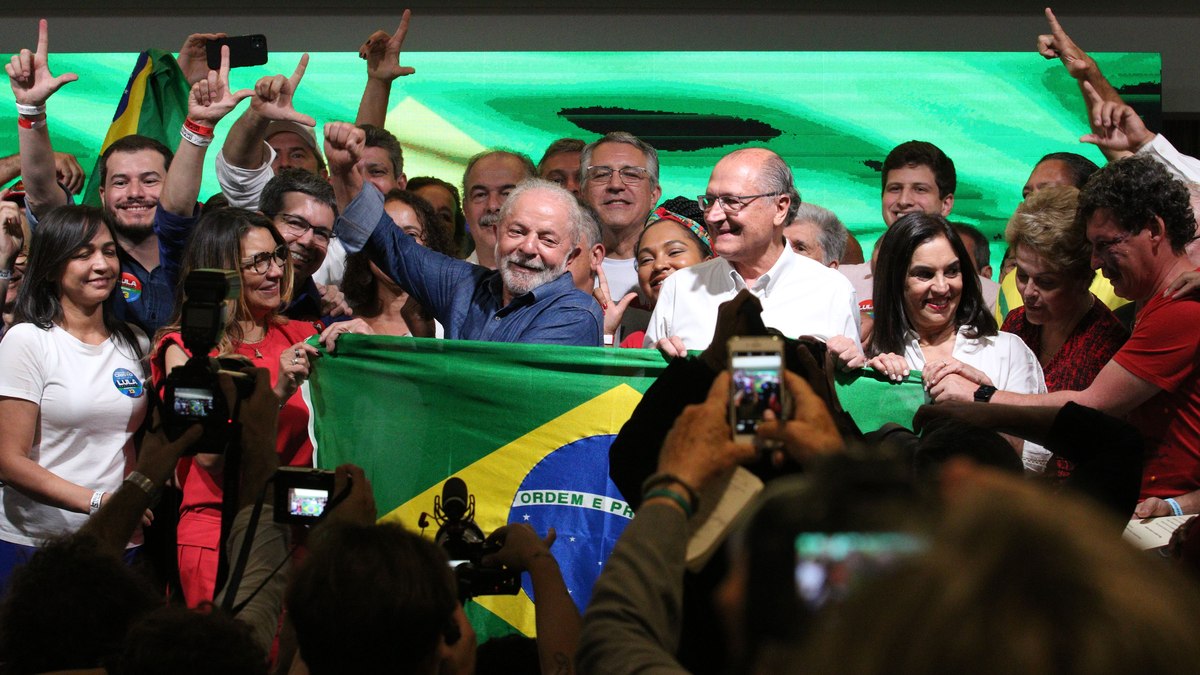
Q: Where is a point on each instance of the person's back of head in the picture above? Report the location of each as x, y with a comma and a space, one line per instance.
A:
947, 437
371, 595
1018, 580
177, 641
69, 607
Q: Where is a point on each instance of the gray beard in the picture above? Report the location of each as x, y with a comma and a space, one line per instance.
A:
519, 283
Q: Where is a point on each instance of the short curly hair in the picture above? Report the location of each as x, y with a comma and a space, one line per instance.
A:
1045, 223
1135, 190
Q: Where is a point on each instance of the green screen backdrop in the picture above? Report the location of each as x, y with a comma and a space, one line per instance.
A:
832, 115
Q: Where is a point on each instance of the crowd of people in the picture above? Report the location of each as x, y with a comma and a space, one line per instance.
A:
1089, 387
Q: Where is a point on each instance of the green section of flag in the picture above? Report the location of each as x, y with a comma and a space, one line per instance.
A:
873, 401
413, 411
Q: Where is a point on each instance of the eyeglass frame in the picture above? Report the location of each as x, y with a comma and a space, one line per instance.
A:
742, 201
644, 174
279, 256
299, 226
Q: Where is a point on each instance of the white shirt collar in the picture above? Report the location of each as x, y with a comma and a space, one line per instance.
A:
768, 281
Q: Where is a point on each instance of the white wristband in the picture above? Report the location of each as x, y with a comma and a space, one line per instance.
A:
94, 505
28, 110
195, 138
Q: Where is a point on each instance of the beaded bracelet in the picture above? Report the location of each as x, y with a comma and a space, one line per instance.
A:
658, 479
673, 496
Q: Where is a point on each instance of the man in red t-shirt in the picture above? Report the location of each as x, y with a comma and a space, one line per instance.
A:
1138, 220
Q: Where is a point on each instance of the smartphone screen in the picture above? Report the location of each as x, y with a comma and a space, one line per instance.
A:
757, 387
831, 565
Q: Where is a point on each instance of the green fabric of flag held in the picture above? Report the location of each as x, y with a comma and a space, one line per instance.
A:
527, 427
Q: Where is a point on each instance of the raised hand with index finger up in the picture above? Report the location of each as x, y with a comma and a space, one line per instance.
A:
29, 72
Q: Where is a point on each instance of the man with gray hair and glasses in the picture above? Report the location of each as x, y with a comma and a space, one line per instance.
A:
620, 182
750, 198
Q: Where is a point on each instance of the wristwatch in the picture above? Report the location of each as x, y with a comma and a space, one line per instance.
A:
984, 393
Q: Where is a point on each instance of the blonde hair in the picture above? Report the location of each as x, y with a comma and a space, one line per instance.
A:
1045, 223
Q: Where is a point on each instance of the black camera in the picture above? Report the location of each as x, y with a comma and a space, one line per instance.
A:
466, 546
302, 496
191, 393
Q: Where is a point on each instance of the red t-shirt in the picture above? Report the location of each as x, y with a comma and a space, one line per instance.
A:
200, 512
1164, 350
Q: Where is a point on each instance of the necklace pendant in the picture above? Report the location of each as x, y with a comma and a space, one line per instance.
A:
257, 354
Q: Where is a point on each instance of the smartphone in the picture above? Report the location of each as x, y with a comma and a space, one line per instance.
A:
244, 50
756, 385
302, 495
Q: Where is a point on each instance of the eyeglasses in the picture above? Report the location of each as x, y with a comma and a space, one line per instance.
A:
1103, 247
298, 226
630, 175
261, 262
730, 203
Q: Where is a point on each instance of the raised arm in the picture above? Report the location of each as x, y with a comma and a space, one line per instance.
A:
1058, 45
244, 146
344, 146
555, 614
209, 102
32, 85
382, 54
193, 56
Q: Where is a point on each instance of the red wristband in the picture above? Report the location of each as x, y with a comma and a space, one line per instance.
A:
197, 128
26, 123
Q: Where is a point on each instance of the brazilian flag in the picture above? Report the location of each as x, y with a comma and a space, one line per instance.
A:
527, 427
153, 104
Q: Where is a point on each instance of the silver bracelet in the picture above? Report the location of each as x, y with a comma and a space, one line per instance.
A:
140, 480
5, 275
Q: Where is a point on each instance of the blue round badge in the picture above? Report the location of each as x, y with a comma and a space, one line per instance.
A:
127, 383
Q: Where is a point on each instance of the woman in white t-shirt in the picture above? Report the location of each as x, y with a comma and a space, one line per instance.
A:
71, 385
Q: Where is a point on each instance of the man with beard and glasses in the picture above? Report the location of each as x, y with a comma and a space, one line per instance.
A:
540, 230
